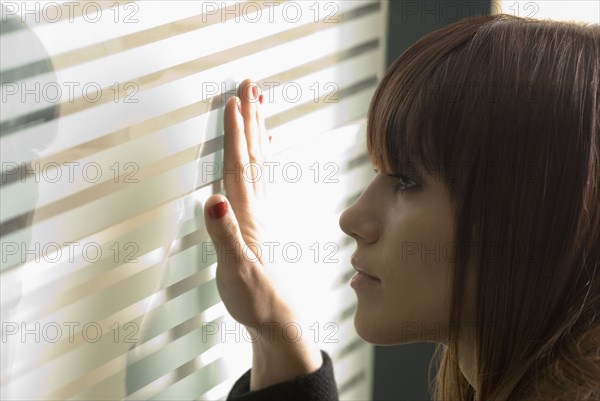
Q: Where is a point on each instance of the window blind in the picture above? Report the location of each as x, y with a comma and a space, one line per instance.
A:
111, 139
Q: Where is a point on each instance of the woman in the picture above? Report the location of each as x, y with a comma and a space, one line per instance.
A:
485, 136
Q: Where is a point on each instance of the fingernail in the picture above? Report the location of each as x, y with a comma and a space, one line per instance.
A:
254, 92
270, 137
239, 105
260, 99
218, 210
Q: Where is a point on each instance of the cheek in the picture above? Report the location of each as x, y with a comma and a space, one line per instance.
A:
419, 256
413, 303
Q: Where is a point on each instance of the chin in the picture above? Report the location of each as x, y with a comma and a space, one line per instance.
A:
372, 331
380, 330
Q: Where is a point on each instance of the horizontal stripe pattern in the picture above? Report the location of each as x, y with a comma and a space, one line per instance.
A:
151, 158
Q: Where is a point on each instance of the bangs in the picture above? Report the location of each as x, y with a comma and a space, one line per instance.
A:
398, 134
413, 126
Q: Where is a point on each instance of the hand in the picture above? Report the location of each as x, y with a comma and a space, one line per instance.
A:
247, 292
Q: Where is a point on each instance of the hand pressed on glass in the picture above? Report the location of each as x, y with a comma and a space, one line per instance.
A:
246, 290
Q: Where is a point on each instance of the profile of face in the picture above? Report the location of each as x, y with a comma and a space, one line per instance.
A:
403, 228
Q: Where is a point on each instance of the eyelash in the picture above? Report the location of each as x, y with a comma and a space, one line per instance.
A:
402, 180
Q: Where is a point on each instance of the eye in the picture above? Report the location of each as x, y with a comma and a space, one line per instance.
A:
404, 183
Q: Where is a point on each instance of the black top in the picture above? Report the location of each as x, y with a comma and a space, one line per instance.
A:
317, 386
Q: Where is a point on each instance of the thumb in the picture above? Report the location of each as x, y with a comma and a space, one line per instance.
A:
224, 230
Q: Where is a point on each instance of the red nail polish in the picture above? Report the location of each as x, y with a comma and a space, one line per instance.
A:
254, 92
218, 210
260, 99
270, 137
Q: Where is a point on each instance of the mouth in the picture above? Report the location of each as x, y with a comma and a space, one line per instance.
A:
360, 269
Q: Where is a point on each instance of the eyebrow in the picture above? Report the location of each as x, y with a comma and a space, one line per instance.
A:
414, 175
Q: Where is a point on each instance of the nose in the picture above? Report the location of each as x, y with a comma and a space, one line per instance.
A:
359, 221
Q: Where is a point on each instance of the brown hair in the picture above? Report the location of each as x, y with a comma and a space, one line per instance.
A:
505, 110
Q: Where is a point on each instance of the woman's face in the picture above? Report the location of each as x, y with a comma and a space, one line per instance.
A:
405, 239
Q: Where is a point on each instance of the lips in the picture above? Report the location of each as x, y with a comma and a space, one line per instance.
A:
358, 268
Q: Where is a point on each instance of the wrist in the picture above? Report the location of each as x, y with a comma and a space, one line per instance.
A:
281, 354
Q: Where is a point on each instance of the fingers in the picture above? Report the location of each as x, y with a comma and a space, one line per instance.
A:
234, 143
248, 93
236, 157
244, 181
223, 228
259, 146
264, 154
251, 123
265, 143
